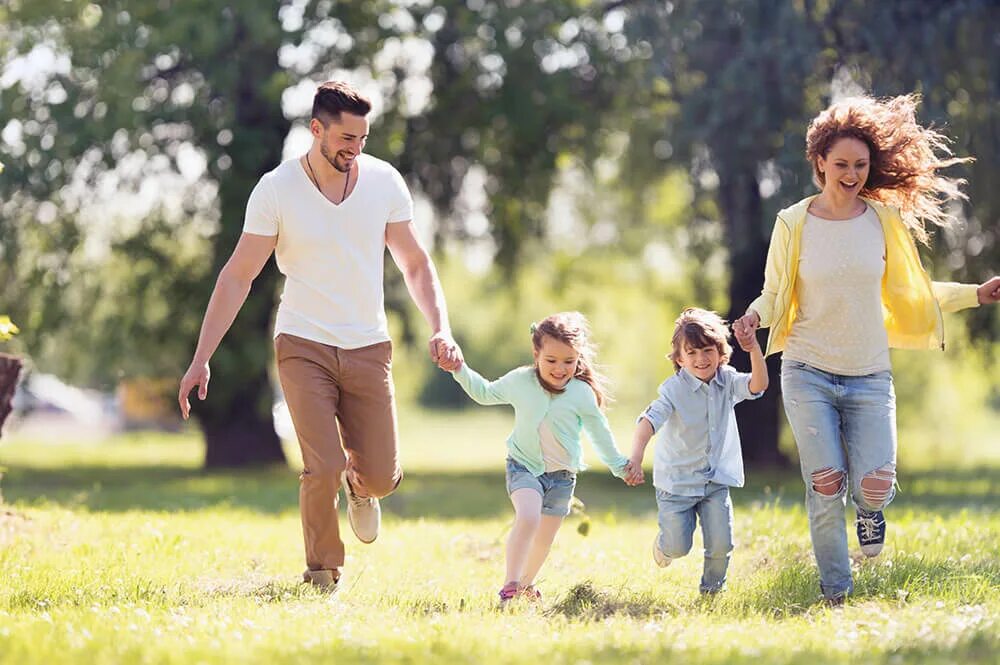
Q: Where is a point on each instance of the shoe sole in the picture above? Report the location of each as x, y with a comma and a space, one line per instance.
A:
659, 558
350, 517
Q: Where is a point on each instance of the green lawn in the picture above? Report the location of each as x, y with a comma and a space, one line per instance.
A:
127, 552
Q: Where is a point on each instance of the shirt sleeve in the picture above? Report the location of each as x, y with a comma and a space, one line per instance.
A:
262, 210
400, 201
660, 410
777, 256
739, 387
952, 296
595, 423
481, 390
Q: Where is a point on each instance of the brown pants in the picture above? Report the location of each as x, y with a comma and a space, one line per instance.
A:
341, 403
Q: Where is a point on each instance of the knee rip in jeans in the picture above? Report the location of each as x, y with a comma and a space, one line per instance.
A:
828, 481
877, 485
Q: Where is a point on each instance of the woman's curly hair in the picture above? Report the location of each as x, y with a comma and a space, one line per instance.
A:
905, 157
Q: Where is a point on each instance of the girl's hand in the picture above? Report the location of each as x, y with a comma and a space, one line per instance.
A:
989, 291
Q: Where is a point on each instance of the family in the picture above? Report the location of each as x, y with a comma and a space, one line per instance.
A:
843, 284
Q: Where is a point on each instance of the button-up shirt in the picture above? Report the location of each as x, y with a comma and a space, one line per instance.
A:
700, 441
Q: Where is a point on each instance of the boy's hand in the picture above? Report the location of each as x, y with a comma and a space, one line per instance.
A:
746, 336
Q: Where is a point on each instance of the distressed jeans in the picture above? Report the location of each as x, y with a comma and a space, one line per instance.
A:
845, 424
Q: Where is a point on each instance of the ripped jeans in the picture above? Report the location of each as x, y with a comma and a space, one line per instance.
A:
845, 430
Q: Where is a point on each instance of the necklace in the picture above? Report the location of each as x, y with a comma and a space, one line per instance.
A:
315, 180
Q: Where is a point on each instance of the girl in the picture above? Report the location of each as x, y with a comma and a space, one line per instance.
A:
553, 400
843, 284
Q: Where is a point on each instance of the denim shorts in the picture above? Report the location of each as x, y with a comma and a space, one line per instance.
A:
556, 487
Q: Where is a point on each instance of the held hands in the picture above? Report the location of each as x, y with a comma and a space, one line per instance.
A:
633, 473
989, 291
445, 352
745, 330
196, 375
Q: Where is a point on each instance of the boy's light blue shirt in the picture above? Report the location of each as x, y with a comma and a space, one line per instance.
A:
566, 413
700, 442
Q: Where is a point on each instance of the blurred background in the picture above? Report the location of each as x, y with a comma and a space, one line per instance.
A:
624, 158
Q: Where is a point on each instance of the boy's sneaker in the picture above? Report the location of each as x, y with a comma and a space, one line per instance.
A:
363, 513
871, 531
508, 593
661, 559
325, 580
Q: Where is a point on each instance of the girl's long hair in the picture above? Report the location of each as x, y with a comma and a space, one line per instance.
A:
571, 328
905, 157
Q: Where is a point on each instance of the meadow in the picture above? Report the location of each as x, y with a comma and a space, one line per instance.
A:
126, 551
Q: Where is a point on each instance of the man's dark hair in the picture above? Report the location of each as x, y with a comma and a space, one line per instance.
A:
335, 97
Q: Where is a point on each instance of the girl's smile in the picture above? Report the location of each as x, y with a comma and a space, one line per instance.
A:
556, 362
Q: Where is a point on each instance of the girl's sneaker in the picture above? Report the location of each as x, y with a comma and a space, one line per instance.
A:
531, 593
508, 593
871, 531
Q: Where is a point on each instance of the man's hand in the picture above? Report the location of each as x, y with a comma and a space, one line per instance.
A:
197, 375
445, 352
989, 291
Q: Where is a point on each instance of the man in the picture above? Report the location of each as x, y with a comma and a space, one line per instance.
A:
329, 216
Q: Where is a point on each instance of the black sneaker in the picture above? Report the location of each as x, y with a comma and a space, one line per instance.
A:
871, 531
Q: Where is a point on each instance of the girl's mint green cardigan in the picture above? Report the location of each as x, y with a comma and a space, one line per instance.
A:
567, 413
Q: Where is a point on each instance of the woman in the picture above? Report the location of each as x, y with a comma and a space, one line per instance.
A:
843, 284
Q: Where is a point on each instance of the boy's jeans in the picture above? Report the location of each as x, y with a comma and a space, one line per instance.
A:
677, 515
844, 423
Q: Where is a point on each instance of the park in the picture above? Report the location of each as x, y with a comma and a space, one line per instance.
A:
625, 159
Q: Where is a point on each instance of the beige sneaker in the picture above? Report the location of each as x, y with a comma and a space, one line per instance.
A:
364, 513
325, 580
661, 559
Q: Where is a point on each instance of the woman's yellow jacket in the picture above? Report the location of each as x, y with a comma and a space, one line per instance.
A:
911, 302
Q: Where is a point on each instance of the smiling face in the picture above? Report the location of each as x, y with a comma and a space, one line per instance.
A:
845, 168
341, 141
556, 362
702, 362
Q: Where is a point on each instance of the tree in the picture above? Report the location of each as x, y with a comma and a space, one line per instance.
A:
137, 87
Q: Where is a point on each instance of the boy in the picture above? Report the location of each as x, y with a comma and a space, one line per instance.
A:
698, 455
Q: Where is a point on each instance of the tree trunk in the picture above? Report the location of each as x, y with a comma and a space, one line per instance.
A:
236, 418
758, 420
10, 370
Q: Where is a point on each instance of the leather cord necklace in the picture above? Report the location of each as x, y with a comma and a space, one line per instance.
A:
315, 180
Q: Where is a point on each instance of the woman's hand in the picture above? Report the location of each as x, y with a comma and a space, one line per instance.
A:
746, 324
989, 291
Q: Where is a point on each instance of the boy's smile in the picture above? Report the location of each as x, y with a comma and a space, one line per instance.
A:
703, 363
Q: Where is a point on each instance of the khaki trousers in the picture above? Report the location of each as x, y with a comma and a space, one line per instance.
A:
341, 403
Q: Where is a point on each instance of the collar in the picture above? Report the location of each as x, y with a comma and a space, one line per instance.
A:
694, 383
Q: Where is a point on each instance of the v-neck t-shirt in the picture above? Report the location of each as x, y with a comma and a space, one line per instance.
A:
332, 255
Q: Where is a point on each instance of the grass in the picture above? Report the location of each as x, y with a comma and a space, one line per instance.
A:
126, 551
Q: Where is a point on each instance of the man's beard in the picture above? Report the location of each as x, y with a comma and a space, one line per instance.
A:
332, 160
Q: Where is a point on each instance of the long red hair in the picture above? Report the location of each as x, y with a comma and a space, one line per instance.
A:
906, 157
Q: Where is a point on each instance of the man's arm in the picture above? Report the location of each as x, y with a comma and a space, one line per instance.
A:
231, 290
425, 289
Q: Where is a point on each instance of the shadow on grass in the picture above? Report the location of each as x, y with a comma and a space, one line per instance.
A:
445, 495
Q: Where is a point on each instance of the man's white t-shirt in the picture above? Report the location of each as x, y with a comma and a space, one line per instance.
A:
332, 255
